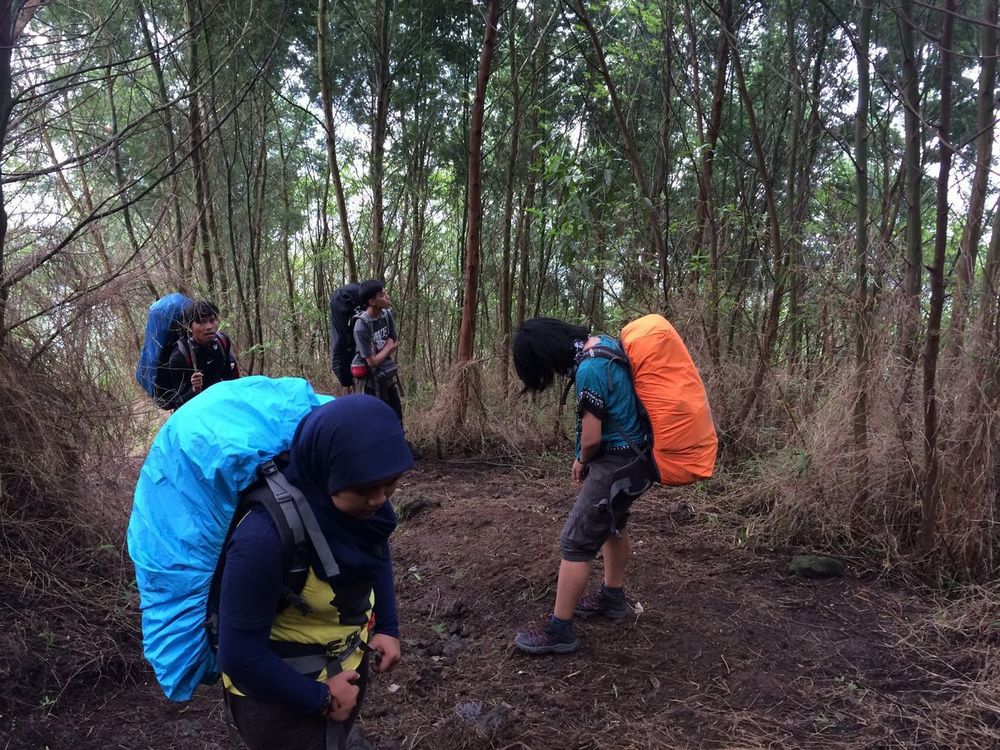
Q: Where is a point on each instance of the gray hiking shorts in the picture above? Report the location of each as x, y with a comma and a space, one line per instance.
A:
596, 515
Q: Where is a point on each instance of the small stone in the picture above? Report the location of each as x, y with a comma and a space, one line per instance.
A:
453, 645
409, 506
816, 566
680, 511
493, 720
470, 710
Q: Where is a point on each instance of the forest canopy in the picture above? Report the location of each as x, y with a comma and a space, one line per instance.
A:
807, 189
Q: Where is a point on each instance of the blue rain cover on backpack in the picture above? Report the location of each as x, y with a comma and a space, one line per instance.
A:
159, 339
188, 488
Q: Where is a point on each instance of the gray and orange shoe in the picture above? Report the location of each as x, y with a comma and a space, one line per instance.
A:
548, 638
601, 602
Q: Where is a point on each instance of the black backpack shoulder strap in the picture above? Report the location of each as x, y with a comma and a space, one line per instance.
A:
185, 347
298, 531
295, 510
392, 324
606, 352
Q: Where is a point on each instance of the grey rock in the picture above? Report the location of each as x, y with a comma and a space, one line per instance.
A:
410, 505
816, 566
470, 710
452, 646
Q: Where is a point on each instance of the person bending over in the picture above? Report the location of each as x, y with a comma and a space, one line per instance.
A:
609, 431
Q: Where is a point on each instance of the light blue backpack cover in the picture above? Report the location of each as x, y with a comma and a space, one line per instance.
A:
188, 490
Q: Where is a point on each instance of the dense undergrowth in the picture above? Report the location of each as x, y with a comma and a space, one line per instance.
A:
69, 614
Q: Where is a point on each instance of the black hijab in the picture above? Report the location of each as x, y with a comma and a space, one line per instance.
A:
349, 442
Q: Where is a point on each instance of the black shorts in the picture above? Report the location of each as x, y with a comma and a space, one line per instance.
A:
613, 482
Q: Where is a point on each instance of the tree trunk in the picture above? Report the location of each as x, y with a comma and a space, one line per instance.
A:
931, 498
968, 248
631, 152
331, 141
705, 216
862, 314
11, 26
508, 211
779, 256
467, 332
168, 131
909, 86
7, 21
381, 85
664, 154
286, 253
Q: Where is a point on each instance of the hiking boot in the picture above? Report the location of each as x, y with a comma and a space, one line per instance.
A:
548, 639
600, 602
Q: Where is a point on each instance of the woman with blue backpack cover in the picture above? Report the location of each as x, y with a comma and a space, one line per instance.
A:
295, 674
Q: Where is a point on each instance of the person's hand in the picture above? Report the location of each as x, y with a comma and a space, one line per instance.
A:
392, 345
389, 647
197, 380
579, 471
344, 694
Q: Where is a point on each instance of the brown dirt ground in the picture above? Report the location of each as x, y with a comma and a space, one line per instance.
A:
725, 649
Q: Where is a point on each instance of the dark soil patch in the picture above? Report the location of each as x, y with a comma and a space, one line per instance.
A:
724, 648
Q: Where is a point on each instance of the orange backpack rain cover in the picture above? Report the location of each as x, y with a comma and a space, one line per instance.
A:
670, 389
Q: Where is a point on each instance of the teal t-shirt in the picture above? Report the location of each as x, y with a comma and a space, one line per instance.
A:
604, 389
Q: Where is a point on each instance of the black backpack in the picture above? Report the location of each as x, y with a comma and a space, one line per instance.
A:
345, 307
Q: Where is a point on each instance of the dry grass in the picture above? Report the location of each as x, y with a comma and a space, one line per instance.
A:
62, 571
805, 481
957, 647
473, 414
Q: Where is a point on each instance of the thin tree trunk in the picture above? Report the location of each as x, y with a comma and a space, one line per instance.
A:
381, 85
119, 171
286, 253
523, 235
467, 333
797, 86
862, 317
11, 26
631, 152
333, 167
256, 213
911, 160
968, 248
990, 297
210, 228
705, 216
82, 208
661, 179
168, 131
779, 256
931, 497
194, 126
508, 213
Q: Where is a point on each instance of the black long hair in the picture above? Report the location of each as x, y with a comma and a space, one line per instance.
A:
543, 348
198, 311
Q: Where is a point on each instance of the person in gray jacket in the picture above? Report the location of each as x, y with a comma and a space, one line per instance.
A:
376, 340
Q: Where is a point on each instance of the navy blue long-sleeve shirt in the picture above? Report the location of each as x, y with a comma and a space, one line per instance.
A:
250, 593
